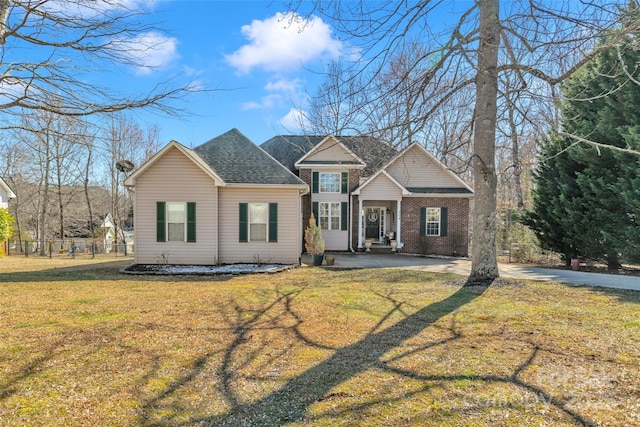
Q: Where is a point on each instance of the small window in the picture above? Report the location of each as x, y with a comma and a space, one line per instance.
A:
176, 221
329, 216
433, 222
330, 182
258, 222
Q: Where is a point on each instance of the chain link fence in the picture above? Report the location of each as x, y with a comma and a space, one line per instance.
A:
68, 248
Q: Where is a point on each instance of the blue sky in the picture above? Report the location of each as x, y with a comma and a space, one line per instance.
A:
258, 62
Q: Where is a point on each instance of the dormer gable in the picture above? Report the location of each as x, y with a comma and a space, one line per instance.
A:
382, 182
329, 153
415, 168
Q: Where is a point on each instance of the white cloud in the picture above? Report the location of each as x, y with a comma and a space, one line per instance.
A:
283, 85
266, 102
149, 51
284, 42
280, 91
295, 120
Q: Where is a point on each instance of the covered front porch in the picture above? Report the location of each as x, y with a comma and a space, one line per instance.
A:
379, 224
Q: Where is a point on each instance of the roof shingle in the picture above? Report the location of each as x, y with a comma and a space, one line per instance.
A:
288, 149
238, 160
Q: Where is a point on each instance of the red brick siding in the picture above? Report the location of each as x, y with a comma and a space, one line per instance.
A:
354, 222
305, 175
354, 179
354, 182
457, 239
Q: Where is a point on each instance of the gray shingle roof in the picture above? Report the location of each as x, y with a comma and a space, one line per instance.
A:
288, 149
238, 160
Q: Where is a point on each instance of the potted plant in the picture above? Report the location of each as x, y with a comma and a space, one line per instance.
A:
314, 243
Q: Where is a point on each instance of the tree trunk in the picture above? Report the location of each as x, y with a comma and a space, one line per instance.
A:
44, 196
484, 263
87, 171
613, 263
515, 158
59, 190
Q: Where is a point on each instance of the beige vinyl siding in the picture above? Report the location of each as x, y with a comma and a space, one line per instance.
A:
334, 240
286, 250
175, 178
416, 169
381, 188
330, 150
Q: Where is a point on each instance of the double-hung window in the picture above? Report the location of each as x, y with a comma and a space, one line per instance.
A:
175, 221
258, 221
329, 214
433, 221
330, 182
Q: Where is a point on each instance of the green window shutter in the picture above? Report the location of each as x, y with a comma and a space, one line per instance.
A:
423, 221
443, 221
191, 221
161, 227
345, 182
244, 222
315, 178
315, 210
273, 222
344, 215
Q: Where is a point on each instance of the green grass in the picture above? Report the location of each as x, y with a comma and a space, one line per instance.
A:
81, 344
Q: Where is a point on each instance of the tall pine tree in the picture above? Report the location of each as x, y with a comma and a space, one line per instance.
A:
586, 201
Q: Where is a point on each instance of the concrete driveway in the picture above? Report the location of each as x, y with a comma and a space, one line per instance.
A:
463, 267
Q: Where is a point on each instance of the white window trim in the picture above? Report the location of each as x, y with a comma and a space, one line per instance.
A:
329, 215
438, 222
250, 222
339, 186
184, 223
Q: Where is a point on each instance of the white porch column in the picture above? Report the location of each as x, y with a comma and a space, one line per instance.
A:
398, 222
359, 222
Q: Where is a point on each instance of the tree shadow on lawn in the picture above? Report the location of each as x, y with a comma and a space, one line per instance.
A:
291, 402
623, 295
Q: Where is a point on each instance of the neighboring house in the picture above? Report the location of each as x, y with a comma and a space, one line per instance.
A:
109, 234
411, 198
5, 194
226, 201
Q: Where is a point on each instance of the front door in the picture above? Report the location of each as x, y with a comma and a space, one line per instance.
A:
373, 223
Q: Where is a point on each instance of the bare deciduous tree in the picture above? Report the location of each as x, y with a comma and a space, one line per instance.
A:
124, 140
53, 49
539, 44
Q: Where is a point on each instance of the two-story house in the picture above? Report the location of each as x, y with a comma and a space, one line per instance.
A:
362, 191
230, 201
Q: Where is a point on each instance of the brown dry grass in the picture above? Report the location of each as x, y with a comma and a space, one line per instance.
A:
81, 344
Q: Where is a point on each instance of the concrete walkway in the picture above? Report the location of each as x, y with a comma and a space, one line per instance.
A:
463, 267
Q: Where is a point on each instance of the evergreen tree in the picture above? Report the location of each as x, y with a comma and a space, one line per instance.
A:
556, 187
587, 198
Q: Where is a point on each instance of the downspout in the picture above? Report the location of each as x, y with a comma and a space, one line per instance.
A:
351, 226
359, 222
399, 223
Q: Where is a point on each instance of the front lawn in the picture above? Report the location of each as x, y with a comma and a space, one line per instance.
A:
81, 344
